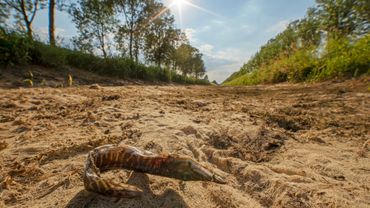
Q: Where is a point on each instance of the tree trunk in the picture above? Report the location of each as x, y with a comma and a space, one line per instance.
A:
103, 47
104, 53
130, 45
26, 21
29, 30
101, 38
136, 52
51, 22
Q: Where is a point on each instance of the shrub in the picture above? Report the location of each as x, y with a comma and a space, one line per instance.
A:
16, 48
342, 58
48, 56
345, 59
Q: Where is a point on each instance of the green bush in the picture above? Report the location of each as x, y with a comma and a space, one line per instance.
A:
301, 65
342, 58
16, 48
48, 56
345, 59
279, 76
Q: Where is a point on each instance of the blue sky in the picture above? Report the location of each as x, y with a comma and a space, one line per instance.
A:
228, 33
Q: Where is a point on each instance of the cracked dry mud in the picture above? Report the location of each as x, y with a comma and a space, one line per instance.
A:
278, 146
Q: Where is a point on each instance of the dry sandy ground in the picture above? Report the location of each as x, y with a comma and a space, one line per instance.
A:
277, 146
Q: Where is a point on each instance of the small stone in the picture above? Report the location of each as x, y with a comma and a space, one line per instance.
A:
95, 87
189, 130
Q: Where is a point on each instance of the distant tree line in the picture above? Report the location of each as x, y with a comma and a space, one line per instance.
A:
331, 41
141, 30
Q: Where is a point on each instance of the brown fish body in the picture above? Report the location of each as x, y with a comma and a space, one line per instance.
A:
110, 157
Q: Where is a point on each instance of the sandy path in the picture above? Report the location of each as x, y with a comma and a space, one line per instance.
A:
278, 146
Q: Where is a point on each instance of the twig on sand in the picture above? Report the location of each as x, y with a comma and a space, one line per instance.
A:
364, 149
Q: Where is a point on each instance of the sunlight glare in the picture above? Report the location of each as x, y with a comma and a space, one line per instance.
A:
179, 3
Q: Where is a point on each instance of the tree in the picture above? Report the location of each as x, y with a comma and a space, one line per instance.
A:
175, 56
131, 30
309, 29
189, 60
361, 10
337, 16
25, 11
182, 56
52, 22
198, 67
53, 5
95, 21
161, 37
4, 12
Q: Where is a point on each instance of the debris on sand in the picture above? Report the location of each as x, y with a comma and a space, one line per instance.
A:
5, 182
3, 145
364, 149
111, 97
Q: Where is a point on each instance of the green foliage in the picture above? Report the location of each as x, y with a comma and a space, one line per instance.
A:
251, 78
24, 12
300, 65
48, 56
331, 42
130, 34
4, 12
94, 20
141, 28
161, 38
341, 59
345, 59
189, 60
16, 48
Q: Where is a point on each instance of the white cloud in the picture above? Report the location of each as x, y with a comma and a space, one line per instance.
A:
231, 54
220, 63
218, 22
43, 33
206, 48
219, 73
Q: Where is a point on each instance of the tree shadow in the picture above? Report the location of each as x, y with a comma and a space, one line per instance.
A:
169, 198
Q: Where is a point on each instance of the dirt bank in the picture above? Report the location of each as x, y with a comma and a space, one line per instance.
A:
277, 146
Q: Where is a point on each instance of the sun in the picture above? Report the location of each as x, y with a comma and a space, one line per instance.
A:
179, 3
180, 6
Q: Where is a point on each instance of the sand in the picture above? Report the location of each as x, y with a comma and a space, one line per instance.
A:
288, 145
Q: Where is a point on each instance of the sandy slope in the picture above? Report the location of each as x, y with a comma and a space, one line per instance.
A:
278, 146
